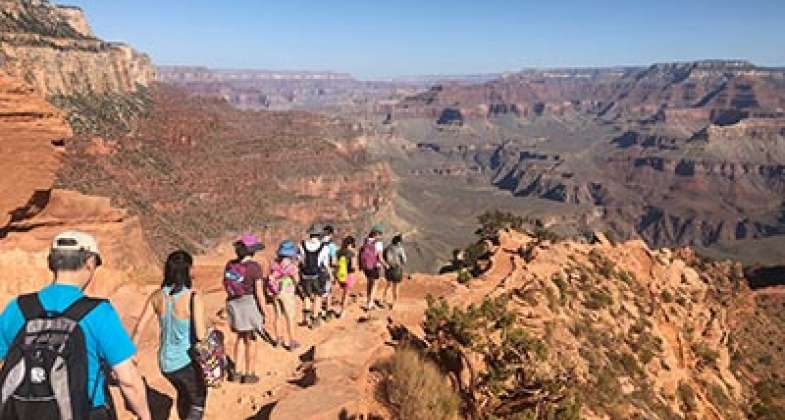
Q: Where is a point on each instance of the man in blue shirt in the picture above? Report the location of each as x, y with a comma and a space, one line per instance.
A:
74, 258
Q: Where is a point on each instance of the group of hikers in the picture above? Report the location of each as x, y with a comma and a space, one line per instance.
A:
60, 348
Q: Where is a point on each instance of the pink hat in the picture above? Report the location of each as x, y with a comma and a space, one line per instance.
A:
251, 242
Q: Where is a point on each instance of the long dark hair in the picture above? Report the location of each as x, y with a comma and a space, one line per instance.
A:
177, 271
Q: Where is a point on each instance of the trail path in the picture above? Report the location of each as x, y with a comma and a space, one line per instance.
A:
328, 374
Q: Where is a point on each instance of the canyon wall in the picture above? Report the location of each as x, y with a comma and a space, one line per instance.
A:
53, 49
676, 154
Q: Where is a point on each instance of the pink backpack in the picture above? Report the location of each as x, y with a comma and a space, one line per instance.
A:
369, 256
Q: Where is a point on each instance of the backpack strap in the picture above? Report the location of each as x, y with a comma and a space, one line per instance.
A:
31, 307
82, 307
192, 328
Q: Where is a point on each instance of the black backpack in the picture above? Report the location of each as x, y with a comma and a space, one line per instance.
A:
45, 370
311, 261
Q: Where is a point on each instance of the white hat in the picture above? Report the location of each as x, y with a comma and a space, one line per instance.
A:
73, 240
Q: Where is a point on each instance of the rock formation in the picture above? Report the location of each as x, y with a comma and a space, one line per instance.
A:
32, 137
650, 150
53, 49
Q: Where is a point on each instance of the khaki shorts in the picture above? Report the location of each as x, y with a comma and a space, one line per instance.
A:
284, 305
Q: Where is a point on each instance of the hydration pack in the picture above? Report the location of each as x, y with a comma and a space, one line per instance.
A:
369, 256
234, 280
311, 265
45, 370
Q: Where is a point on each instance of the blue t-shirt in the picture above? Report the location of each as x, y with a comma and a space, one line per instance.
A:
105, 335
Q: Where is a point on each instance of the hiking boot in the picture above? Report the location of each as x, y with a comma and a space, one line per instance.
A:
234, 376
250, 378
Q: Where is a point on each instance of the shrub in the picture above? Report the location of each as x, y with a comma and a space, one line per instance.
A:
605, 267
687, 396
667, 296
486, 344
598, 299
708, 355
464, 276
492, 222
417, 389
626, 276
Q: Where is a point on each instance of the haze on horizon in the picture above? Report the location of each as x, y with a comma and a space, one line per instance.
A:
409, 37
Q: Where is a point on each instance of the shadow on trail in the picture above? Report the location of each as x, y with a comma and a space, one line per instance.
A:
264, 413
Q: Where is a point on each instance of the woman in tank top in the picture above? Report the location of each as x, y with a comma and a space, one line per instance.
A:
179, 330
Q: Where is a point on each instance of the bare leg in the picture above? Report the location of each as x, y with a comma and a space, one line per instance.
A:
317, 306
237, 351
343, 299
395, 293
386, 289
371, 288
250, 354
276, 315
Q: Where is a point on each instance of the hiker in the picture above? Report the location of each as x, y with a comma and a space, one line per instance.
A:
314, 274
395, 258
281, 288
332, 252
243, 284
59, 323
182, 322
372, 263
344, 269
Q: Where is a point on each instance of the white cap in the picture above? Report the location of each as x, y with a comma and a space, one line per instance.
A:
74, 240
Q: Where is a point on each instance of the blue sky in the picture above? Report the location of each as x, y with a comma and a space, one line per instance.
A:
406, 37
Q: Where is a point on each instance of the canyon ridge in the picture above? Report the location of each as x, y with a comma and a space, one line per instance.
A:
622, 226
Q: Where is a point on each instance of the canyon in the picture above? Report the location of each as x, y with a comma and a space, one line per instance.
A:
621, 324
675, 154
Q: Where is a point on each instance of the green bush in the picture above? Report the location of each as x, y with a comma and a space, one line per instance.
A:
492, 222
598, 299
508, 355
417, 389
687, 397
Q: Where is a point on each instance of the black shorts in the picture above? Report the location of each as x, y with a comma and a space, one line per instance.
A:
374, 274
313, 285
394, 275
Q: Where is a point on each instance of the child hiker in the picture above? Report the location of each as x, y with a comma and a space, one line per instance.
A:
281, 287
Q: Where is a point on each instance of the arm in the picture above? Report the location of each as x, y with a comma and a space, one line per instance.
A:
200, 318
147, 314
133, 388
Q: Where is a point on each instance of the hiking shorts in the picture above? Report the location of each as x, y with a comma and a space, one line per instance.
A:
374, 274
313, 286
285, 305
244, 315
394, 275
349, 282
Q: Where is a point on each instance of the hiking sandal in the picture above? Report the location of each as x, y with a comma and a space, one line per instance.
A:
250, 378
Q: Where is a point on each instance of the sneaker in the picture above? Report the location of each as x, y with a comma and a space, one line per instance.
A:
250, 378
234, 377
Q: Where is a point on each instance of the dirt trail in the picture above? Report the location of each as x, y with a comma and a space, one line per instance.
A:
329, 371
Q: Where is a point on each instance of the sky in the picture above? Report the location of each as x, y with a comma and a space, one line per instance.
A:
379, 39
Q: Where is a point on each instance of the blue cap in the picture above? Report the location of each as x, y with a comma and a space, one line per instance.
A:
287, 249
